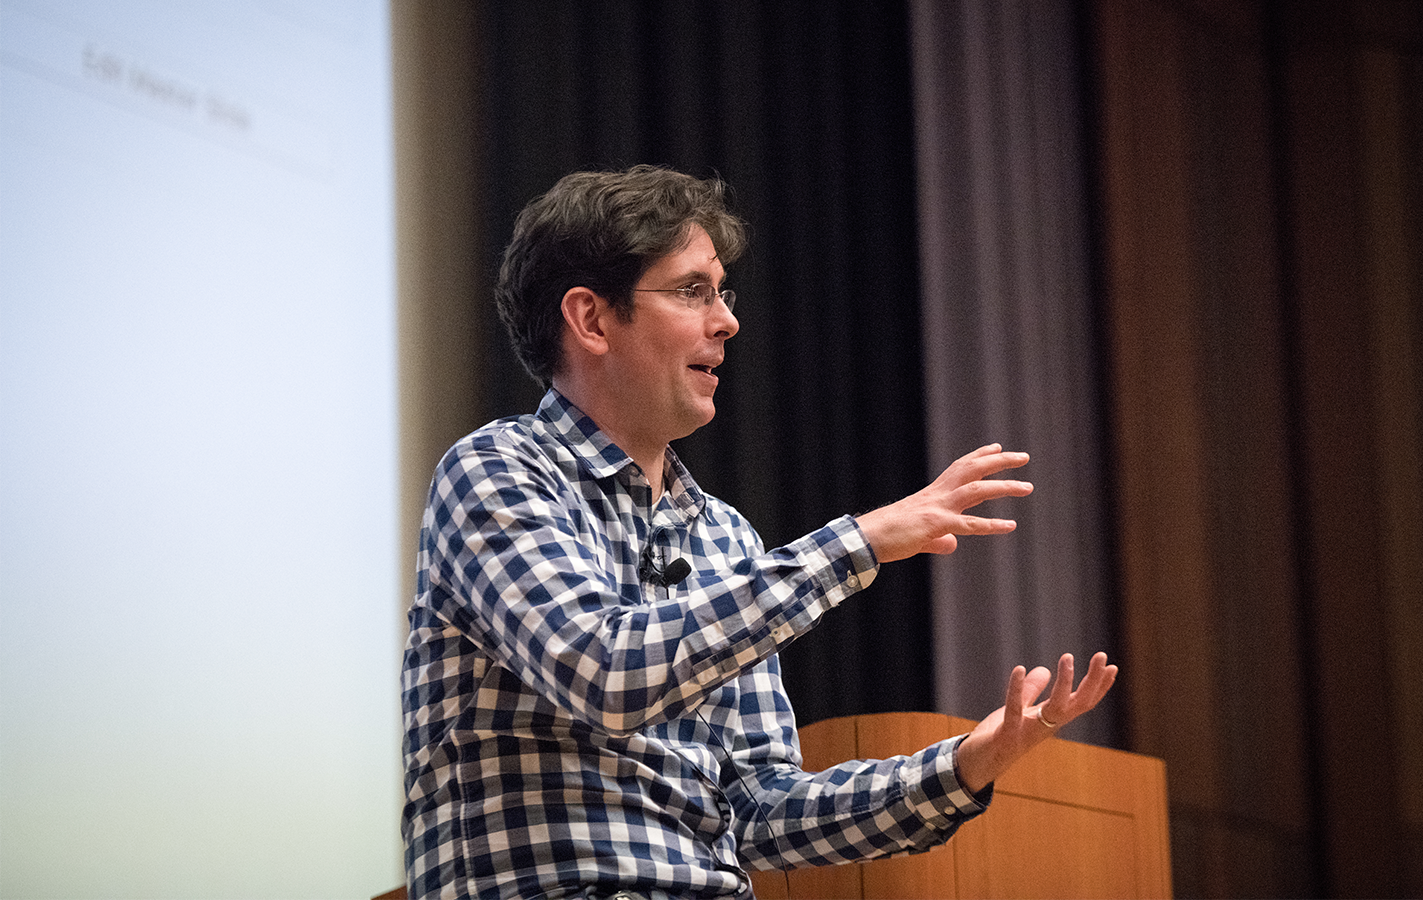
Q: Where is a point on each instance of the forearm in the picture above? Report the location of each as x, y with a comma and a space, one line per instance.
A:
859, 810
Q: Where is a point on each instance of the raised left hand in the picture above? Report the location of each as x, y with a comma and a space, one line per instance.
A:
1022, 723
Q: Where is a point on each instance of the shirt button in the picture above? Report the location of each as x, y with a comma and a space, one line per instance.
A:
782, 634
853, 581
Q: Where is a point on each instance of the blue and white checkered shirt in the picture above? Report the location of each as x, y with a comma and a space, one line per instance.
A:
572, 729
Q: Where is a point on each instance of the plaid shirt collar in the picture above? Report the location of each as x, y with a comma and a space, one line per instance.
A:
601, 458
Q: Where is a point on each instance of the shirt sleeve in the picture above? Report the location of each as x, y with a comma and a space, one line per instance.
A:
854, 811
529, 573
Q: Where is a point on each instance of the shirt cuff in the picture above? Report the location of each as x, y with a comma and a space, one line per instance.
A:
841, 559
940, 798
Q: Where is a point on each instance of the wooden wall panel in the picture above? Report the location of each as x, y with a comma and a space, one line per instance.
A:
1200, 419
1260, 199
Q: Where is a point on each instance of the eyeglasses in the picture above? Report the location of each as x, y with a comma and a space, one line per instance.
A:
696, 296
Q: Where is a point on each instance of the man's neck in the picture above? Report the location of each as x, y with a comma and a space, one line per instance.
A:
652, 466
650, 455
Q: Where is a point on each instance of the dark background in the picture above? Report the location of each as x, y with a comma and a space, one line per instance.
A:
1255, 177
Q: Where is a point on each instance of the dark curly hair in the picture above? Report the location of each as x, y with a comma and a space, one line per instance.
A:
602, 231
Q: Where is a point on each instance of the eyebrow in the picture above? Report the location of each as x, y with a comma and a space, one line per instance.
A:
699, 276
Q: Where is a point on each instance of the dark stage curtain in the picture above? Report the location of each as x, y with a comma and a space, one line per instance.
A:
805, 109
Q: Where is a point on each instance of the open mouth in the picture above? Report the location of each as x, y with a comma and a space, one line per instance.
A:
704, 369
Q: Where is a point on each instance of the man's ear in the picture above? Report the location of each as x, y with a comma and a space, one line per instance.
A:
585, 312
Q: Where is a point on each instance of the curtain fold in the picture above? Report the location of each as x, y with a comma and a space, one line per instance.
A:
1009, 338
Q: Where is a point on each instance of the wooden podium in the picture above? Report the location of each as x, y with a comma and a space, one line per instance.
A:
1069, 820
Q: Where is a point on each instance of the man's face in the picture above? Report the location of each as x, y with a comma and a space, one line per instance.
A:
665, 355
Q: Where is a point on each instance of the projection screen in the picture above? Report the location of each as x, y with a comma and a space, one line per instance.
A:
199, 557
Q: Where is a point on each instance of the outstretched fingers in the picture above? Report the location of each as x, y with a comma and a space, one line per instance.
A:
1067, 702
1013, 702
1099, 679
987, 460
967, 484
929, 520
969, 495
1023, 689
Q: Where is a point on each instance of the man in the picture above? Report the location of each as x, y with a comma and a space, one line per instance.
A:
593, 702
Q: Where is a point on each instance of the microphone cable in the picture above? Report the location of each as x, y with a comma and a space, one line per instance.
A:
669, 576
754, 797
